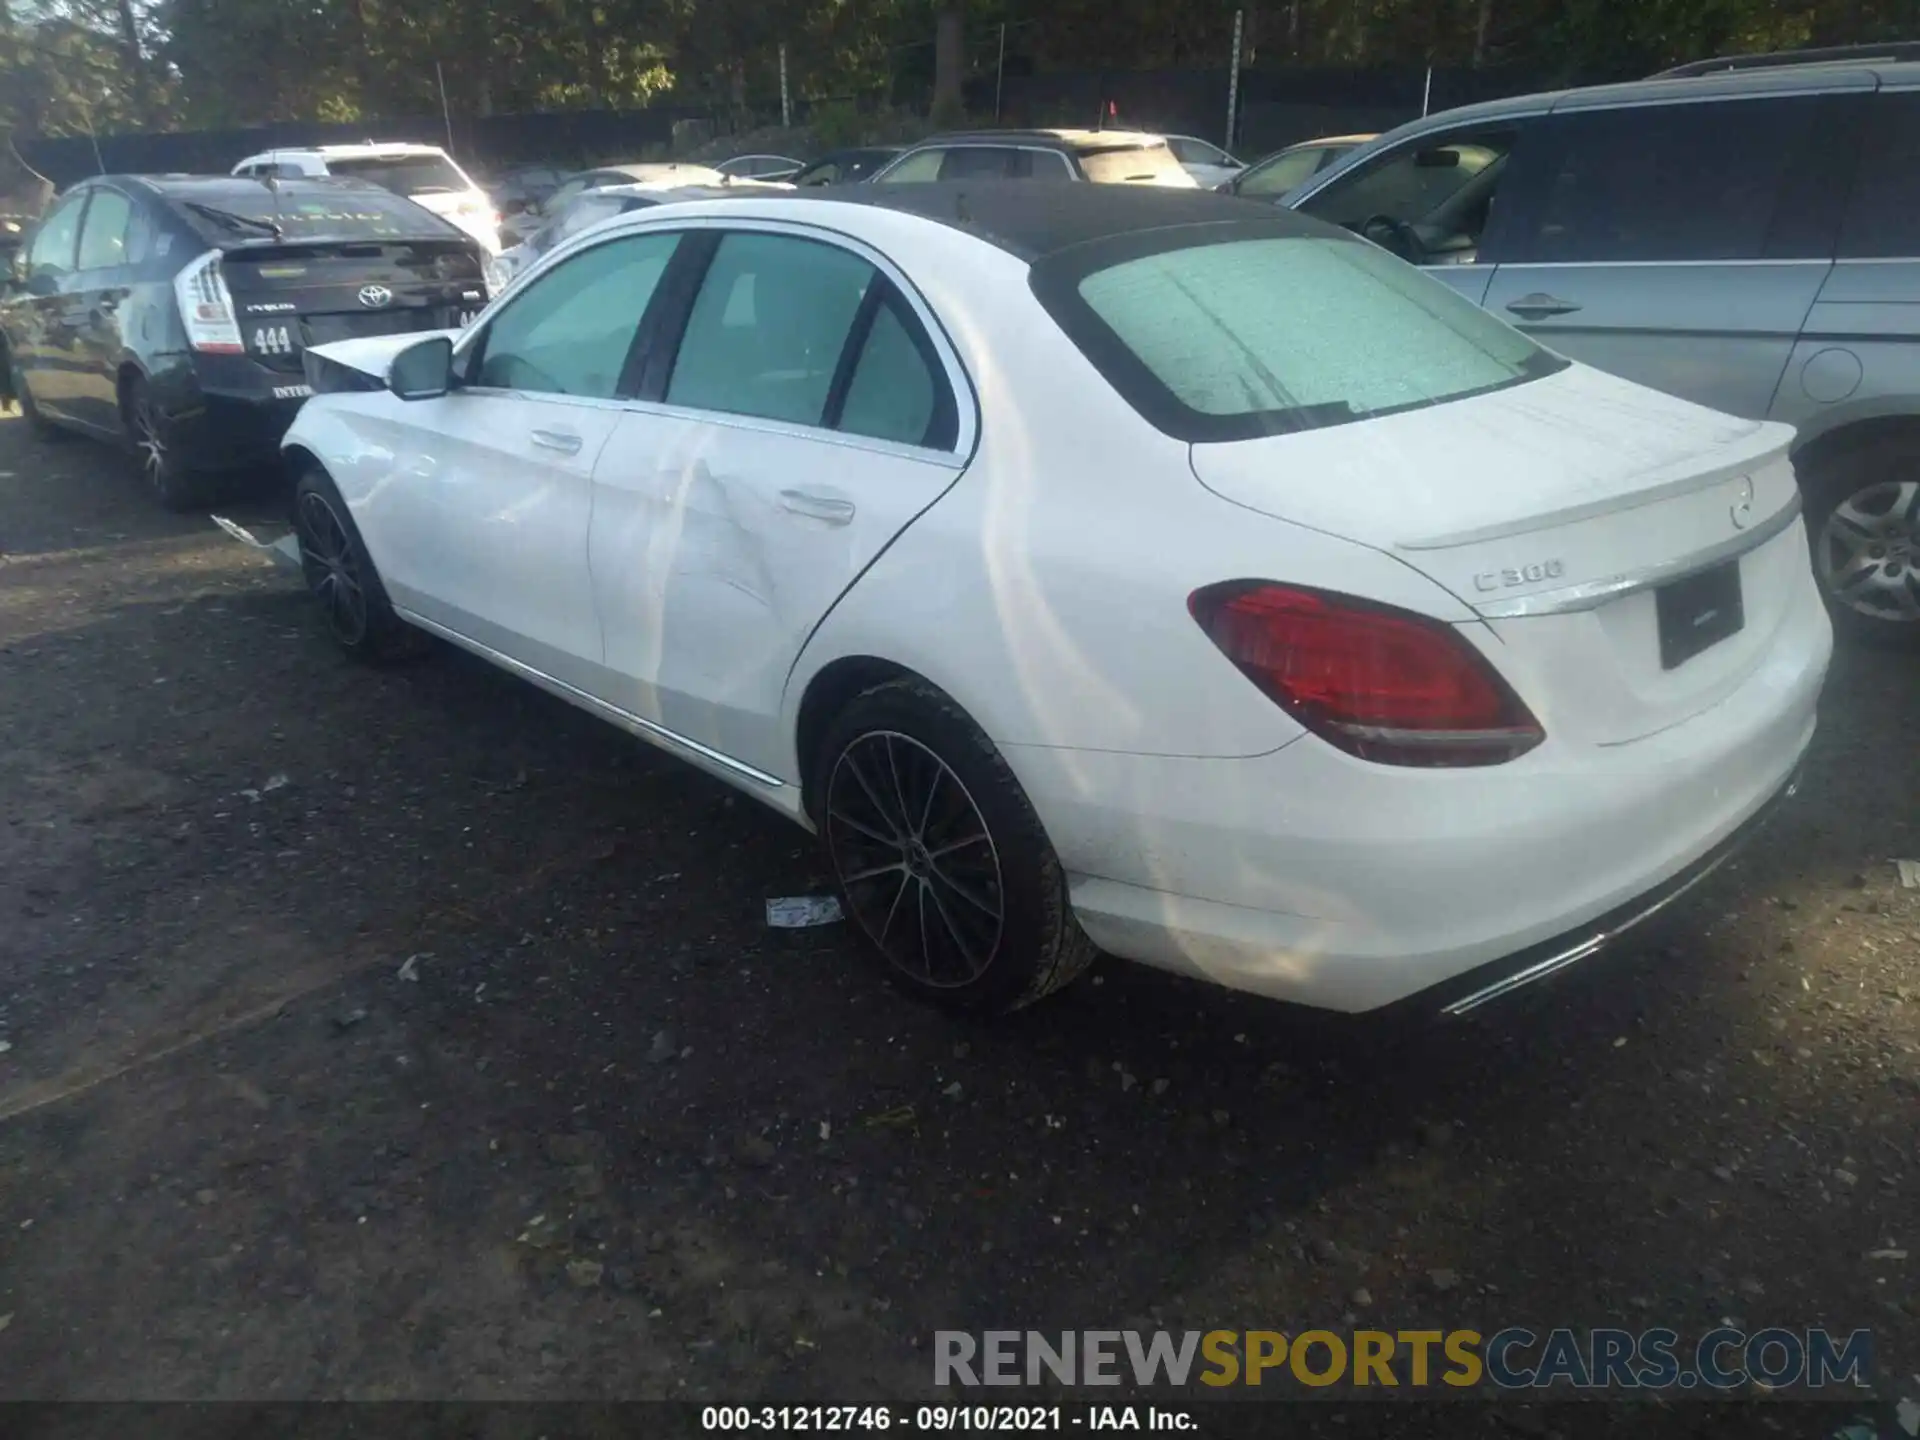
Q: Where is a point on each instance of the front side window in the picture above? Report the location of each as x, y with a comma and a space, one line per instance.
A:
570, 331
1273, 178
917, 168
1189, 151
1429, 202
768, 328
587, 210
1265, 333
1883, 217
103, 240
53, 247
1668, 182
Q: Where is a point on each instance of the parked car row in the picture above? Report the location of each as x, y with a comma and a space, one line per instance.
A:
170, 313
1140, 569
1381, 585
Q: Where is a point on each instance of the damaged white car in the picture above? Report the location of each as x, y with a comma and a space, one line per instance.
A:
1142, 569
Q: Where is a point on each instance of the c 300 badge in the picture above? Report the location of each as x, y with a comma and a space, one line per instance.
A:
1534, 574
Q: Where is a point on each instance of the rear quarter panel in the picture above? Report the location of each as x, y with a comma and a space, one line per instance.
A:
1047, 590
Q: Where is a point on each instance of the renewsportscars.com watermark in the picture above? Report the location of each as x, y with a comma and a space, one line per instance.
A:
1515, 1358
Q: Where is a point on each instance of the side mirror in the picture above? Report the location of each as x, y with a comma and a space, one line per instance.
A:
422, 371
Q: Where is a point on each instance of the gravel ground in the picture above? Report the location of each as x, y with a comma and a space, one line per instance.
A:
409, 1034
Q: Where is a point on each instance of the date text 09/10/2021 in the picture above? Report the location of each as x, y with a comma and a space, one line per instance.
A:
946, 1419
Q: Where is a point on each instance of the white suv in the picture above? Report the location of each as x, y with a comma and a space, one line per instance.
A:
425, 174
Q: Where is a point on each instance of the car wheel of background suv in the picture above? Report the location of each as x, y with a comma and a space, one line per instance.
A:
1863, 520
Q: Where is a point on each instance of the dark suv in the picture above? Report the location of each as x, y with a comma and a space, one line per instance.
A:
1745, 234
170, 313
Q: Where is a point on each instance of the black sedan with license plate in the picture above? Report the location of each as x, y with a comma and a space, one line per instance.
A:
171, 313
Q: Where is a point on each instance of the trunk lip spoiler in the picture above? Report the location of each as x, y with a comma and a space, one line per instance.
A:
1771, 449
1592, 594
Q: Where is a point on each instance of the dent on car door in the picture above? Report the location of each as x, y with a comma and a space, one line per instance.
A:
804, 419
1680, 245
1444, 201
480, 524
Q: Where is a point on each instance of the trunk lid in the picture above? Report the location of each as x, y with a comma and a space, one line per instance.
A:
295, 295
1560, 511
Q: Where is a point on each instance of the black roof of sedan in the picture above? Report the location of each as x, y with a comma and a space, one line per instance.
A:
1033, 219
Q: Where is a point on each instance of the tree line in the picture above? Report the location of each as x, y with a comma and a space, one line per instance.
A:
70, 67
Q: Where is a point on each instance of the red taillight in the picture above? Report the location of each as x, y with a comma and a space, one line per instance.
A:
1386, 685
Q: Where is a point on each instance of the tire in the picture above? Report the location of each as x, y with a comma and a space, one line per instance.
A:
341, 577
1863, 522
43, 428
173, 483
977, 920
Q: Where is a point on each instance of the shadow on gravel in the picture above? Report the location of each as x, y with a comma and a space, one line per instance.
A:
460, 1061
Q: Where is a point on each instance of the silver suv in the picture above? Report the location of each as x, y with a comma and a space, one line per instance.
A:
1742, 233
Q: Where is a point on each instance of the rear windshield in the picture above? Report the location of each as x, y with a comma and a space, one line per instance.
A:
361, 214
1267, 334
1133, 165
404, 174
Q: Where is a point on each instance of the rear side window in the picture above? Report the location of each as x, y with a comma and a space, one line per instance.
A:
1883, 219
1133, 165
893, 393
768, 328
103, 240
1668, 182
981, 162
1273, 333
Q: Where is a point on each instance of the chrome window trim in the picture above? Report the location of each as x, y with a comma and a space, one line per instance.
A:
1592, 594
1648, 264
965, 402
649, 221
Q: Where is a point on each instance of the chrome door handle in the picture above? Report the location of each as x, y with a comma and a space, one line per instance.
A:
817, 507
557, 440
1539, 306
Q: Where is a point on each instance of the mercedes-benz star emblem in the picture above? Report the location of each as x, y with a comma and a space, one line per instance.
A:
374, 296
1742, 512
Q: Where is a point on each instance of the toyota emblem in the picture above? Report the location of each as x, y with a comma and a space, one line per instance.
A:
374, 296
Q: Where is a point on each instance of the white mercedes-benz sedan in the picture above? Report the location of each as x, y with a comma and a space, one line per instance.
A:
1099, 567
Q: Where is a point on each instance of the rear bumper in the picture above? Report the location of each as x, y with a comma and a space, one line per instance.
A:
1500, 978
1306, 875
228, 412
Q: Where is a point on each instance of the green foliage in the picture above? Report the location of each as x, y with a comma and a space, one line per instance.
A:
130, 64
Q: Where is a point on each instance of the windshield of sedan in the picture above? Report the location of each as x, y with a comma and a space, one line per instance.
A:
404, 174
1272, 333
